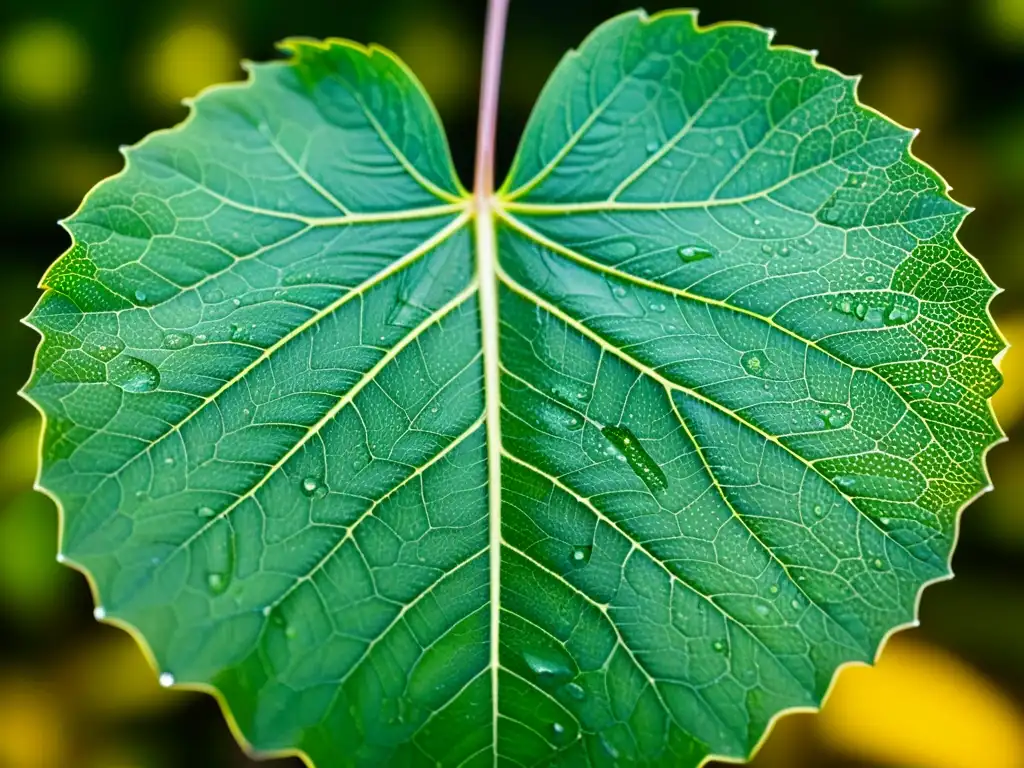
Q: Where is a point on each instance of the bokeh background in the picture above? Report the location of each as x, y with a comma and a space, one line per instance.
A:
78, 78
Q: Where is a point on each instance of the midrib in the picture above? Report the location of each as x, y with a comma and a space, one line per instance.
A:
486, 257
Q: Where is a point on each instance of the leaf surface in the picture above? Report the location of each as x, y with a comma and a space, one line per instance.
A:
744, 369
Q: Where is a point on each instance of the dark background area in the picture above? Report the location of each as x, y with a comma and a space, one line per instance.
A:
78, 78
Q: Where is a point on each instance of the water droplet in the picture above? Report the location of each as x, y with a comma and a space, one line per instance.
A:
897, 314
99, 613
885, 521
200, 338
846, 482
774, 589
169, 461
575, 691
549, 668
558, 728
718, 646
834, 417
580, 555
177, 340
102, 346
719, 141
861, 310
140, 295
818, 511
795, 604
312, 486
166, 680
879, 565
645, 467
766, 248
657, 307
236, 302
652, 147
217, 582
754, 363
762, 609
619, 291
692, 253
134, 375
613, 753
205, 512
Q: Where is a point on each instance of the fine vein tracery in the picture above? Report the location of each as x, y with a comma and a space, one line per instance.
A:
608, 467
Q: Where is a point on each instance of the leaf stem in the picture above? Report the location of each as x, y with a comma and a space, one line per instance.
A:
490, 83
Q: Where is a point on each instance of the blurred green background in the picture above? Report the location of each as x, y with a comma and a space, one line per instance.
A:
79, 78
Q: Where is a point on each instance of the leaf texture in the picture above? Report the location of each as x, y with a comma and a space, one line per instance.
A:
744, 364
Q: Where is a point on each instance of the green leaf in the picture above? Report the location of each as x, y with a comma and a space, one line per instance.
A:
740, 370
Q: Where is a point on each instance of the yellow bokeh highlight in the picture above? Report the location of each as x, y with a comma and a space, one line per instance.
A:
32, 732
110, 679
922, 707
188, 58
43, 64
910, 87
19, 447
1006, 20
1009, 400
437, 53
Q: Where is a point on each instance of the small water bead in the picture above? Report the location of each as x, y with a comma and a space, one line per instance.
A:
641, 462
166, 680
217, 582
879, 565
313, 487
575, 691
205, 512
200, 338
177, 340
754, 363
169, 461
619, 291
547, 667
652, 147
834, 417
884, 520
691, 253
102, 346
134, 375
718, 646
140, 295
99, 613
236, 302
818, 511
795, 604
580, 555
761, 609
657, 307
774, 589
897, 314
719, 141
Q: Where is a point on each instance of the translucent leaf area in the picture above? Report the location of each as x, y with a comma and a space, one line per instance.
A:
744, 374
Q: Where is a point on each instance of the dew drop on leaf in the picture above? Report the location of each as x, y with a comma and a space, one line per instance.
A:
754, 363
575, 691
547, 667
177, 340
718, 646
580, 555
140, 295
691, 253
102, 346
166, 680
217, 582
897, 314
312, 486
134, 375
630, 449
